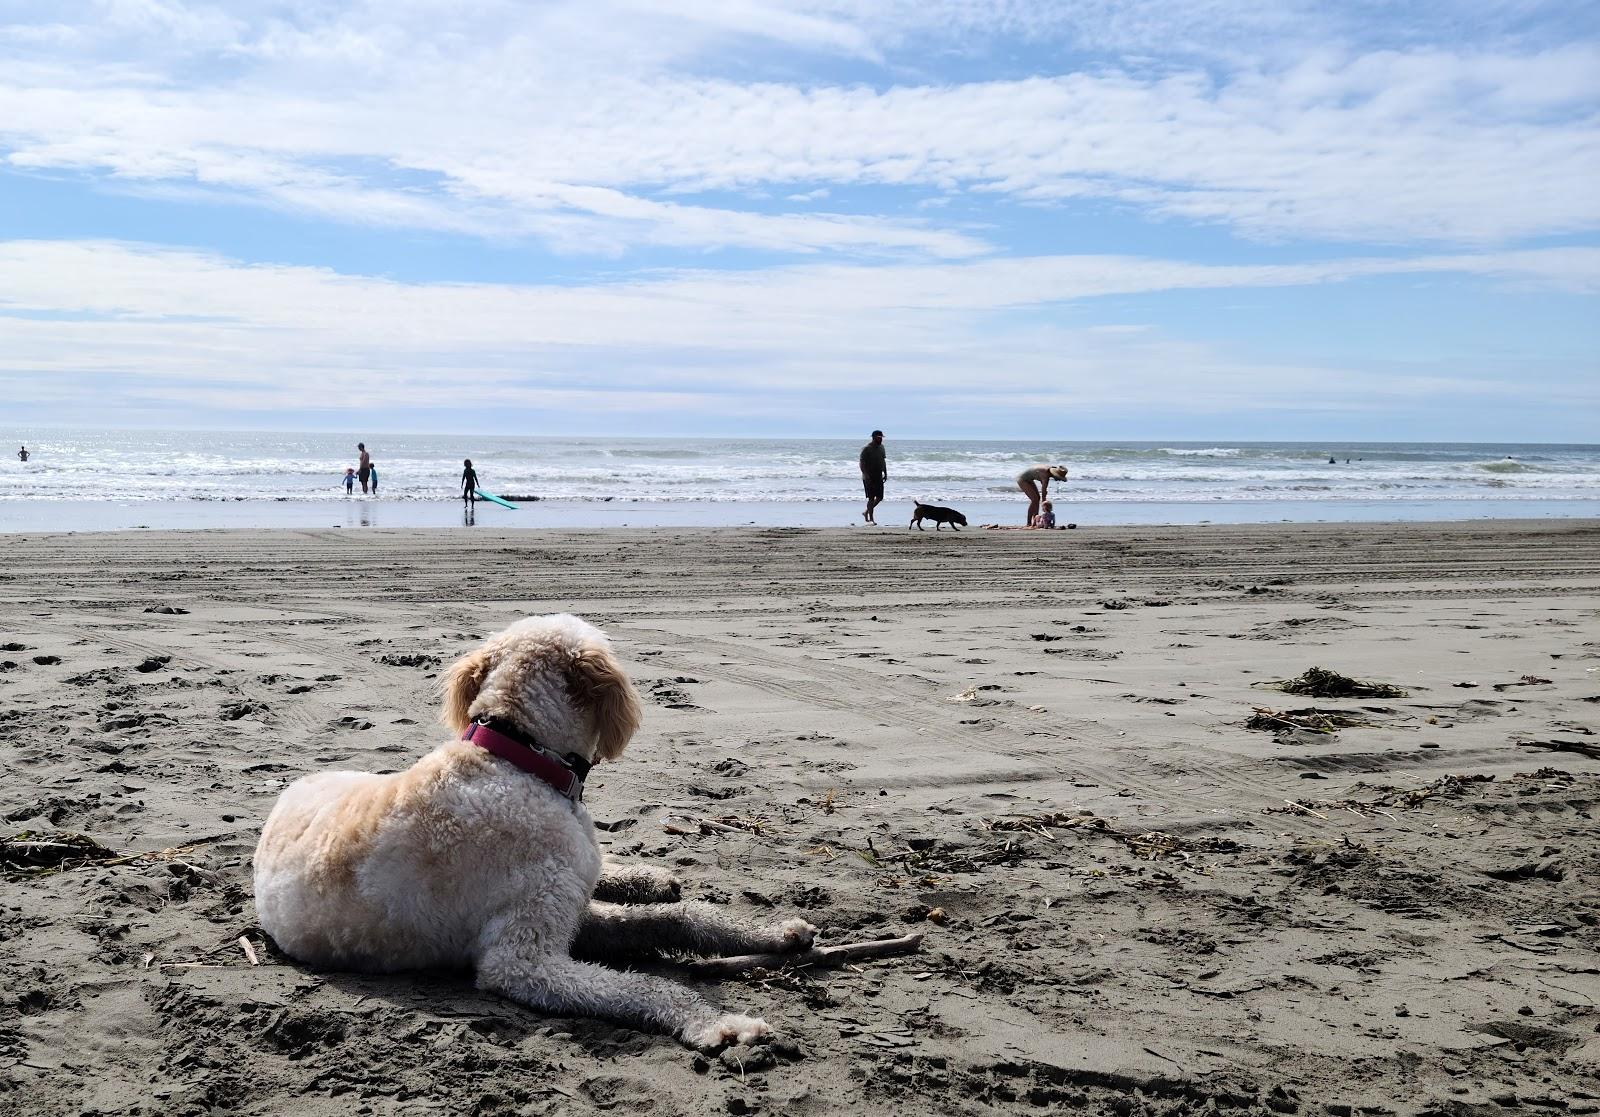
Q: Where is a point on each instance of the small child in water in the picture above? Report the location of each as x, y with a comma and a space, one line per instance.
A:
1046, 516
469, 482
350, 480
373, 476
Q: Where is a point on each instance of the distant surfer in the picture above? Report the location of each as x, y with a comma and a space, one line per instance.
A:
364, 466
469, 482
22, 454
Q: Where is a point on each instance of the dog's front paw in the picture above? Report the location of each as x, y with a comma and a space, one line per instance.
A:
794, 934
726, 1029
637, 884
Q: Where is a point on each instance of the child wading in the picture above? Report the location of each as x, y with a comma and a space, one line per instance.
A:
350, 481
469, 482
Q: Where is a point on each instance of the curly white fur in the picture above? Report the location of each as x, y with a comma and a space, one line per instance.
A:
465, 860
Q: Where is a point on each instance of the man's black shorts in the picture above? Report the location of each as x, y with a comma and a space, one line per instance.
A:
873, 486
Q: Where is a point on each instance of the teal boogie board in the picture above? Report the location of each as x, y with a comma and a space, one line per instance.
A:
481, 495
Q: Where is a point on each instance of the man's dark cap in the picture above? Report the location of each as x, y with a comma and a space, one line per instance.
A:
877, 434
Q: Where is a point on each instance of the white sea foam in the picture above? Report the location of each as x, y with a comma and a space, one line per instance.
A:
156, 466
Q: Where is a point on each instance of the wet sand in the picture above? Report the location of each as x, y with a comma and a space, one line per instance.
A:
1030, 746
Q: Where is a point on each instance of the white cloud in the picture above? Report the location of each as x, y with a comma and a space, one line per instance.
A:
152, 323
573, 123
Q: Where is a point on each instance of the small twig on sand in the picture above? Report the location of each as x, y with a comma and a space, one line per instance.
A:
1307, 810
691, 827
818, 956
697, 827
170, 852
249, 951
1168, 1058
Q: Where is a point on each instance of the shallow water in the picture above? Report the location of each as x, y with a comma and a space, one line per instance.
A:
895, 514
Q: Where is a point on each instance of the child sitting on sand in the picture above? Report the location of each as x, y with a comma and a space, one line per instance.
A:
1047, 515
350, 481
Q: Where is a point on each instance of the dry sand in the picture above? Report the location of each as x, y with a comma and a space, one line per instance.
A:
1031, 746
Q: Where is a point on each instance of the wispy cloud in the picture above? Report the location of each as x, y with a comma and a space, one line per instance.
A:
245, 333
584, 125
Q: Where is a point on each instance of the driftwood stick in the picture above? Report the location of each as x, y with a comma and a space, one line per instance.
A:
693, 826
817, 956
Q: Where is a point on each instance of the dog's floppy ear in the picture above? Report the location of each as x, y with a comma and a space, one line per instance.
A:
596, 682
461, 685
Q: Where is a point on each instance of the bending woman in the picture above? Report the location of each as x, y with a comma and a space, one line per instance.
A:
1036, 483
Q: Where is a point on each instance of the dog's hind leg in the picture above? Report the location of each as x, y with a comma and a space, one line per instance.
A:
611, 930
519, 965
635, 884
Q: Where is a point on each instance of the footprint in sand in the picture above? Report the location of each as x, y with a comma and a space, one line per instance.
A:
665, 692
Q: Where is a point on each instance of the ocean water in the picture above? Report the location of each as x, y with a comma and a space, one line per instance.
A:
190, 478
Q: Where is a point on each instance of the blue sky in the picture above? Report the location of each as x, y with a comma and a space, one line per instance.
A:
985, 218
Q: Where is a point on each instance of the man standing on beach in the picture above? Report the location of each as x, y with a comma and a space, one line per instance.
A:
874, 472
364, 466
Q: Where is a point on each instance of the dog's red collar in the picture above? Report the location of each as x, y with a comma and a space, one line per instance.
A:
529, 757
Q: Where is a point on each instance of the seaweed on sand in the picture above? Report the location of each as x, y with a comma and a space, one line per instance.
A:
1311, 720
35, 854
1319, 682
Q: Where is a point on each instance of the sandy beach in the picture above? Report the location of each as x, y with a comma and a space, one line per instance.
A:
1030, 746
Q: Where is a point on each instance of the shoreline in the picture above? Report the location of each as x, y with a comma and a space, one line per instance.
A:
359, 513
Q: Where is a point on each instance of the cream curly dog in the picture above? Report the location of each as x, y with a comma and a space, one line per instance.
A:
481, 854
